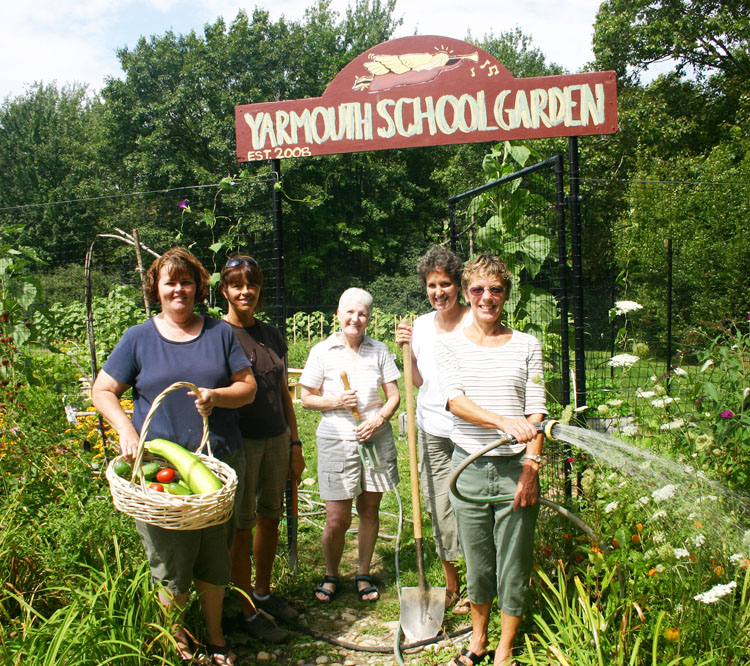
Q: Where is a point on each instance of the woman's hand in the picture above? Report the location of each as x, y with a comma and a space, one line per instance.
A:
403, 333
205, 401
348, 399
129, 443
296, 465
365, 430
520, 429
527, 490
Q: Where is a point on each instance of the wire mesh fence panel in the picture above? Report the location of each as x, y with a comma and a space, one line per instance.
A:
661, 277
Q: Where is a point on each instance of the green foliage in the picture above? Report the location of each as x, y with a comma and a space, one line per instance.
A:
120, 308
698, 34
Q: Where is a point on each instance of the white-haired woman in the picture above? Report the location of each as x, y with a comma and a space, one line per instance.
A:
344, 472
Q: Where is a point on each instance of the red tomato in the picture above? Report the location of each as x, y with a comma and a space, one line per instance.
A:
157, 487
165, 475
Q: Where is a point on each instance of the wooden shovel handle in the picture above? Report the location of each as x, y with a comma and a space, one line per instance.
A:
345, 379
411, 429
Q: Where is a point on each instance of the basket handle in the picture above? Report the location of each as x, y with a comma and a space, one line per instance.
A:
147, 422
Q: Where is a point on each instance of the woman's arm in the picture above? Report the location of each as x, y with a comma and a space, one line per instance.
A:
468, 410
296, 457
368, 427
313, 399
241, 391
527, 490
105, 394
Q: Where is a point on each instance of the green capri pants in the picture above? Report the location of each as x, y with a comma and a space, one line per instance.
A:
498, 562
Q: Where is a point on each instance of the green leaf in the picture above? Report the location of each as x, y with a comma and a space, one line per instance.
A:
216, 246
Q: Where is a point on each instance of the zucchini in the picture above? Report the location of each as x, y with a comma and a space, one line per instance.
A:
192, 470
177, 489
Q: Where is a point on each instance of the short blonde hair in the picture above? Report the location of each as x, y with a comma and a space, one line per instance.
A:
488, 266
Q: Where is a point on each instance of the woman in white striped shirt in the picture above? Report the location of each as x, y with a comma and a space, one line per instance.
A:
491, 377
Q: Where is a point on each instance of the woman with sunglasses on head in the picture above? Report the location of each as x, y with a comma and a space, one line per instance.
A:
273, 452
439, 273
180, 345
493, 381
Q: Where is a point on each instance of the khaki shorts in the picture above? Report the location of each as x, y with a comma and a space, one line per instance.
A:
266, 472
341, 474
434, 479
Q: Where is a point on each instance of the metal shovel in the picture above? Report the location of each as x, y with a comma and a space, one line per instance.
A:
423, 607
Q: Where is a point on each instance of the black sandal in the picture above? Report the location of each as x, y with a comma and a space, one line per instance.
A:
472, 656
222, 651
328, 594
365, 578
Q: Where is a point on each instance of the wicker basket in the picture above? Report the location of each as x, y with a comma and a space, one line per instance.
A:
173, 512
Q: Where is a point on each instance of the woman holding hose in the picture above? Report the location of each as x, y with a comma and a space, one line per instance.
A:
439, 273
492, 379
180, 345
343, 376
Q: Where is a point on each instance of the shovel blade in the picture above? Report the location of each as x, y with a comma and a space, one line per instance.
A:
422, 611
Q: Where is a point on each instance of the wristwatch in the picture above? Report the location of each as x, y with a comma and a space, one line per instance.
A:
296, 442
536, 457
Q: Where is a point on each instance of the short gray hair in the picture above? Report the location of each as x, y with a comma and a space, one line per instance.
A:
357, 295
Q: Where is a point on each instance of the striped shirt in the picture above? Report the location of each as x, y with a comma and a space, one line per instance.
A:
368, 370
507, 380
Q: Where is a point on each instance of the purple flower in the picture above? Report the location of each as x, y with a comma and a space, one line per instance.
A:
183, 204
727, 414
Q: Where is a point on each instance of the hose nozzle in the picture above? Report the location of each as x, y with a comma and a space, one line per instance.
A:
547, 427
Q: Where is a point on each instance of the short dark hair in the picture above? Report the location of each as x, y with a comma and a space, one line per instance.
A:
488, 266
180, 261
439, 258
248, 271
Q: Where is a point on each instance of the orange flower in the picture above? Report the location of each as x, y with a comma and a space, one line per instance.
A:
636, 539
594, 549
639, 527
697, 524
652, 572
718, 570
672, 634
615, 543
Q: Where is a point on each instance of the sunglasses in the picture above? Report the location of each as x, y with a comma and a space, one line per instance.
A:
479, 291
237, 261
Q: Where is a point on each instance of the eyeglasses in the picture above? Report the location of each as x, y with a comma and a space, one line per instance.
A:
494, 290
236, 261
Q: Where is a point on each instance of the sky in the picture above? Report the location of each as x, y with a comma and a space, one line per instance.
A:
75, 41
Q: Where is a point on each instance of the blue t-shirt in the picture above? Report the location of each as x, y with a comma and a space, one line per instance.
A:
148, 362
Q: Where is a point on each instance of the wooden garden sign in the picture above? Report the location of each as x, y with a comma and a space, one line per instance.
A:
426, 91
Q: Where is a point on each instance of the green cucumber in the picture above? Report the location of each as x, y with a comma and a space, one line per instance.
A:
123, 468
177, 489
192, 470
184, 484
149, 470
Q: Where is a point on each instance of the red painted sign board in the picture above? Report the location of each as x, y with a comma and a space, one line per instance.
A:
426, 91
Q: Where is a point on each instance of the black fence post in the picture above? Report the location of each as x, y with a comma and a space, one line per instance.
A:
668, 243
575, 246
278, 237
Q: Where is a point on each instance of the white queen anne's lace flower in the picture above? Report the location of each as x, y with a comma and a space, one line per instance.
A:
623, 307
715, 593
623, 360
698, 540
611, 507
664, 493
681, 553
672, 425
645, 394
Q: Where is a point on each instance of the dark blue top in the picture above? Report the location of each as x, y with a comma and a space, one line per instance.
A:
148, 362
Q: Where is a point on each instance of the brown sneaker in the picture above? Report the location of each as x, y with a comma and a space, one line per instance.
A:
276, 607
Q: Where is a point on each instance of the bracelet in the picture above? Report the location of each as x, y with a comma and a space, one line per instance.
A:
296, 442
536, 457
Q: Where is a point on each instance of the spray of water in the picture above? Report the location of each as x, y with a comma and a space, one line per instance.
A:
678, 500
